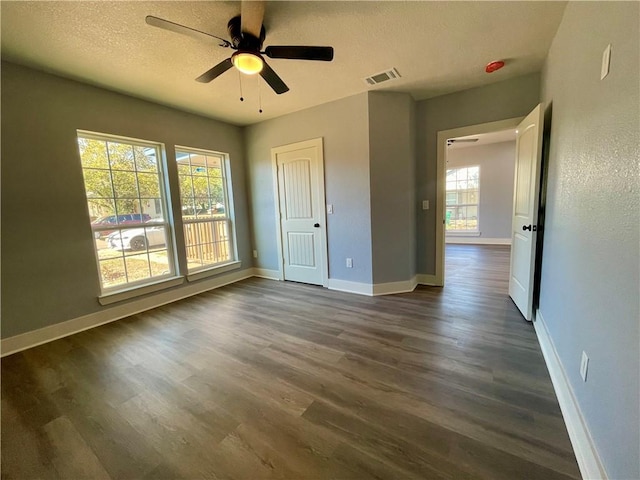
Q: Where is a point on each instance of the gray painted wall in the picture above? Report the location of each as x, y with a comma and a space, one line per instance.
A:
497, 165
343, 125
49, 272
392, 166
590, 285
498, 101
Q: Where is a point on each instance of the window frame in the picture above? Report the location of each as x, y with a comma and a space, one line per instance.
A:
153, 283
468, 232
229, 215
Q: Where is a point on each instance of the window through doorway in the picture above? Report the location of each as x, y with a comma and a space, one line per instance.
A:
463, 188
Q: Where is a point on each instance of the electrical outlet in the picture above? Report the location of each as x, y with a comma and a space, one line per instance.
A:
606, 60
425, 204
349, 262
255, 254
584, 366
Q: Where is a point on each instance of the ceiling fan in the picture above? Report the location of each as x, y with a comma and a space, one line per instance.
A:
247, 34
451, 141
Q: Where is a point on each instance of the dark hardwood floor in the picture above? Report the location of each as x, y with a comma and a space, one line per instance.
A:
265, 379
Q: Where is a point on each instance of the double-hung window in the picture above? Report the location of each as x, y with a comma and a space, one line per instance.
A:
206, 216
124, 183
463, 186
133, 236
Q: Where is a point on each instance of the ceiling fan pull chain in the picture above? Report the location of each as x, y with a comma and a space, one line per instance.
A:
259, 96
240, 82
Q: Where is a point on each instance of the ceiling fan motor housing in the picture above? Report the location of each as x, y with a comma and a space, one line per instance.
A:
244, 41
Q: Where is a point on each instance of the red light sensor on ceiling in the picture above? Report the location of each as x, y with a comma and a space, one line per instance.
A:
493, 66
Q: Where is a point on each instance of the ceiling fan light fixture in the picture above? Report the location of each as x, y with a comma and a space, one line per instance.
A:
247, 62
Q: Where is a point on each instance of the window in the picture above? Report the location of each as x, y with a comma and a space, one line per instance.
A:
462, 199
204, 197
124, 185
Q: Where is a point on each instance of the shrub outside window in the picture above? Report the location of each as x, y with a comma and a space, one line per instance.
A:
125, 196
206, 216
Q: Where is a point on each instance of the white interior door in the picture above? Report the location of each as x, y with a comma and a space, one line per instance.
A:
300, 187
525, 210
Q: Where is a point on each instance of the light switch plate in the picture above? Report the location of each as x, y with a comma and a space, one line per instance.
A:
329, 209
425, 204
606, 60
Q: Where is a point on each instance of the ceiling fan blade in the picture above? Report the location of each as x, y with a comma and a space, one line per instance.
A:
273, 79
216, 71
324, 54
177, 28
251, 16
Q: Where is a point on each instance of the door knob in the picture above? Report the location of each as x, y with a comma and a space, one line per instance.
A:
317, 225
530, 227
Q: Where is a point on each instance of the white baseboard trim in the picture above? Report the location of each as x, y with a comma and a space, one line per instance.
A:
589, 462
350, 287
424, 279
37, 337
372, 290
265, 273
391, 288
50, 333
478, 240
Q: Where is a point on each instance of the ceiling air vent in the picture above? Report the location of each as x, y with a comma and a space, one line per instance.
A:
382, 77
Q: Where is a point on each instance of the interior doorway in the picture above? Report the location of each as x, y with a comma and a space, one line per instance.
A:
478, 209
479, 187
462, 133
525, 200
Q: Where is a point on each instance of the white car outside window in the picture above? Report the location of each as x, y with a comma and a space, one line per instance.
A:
137, 238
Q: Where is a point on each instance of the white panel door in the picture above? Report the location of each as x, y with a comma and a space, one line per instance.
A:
300, 181
525, 210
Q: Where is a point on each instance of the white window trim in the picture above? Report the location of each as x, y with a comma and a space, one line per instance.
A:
138, 290
208, 270
214, 270
464, 233
118, 293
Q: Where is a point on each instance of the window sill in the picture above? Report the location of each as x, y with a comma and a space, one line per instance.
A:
120, 295
208, 272
463, 234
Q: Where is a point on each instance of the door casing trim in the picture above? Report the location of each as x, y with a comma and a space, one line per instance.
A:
441, 172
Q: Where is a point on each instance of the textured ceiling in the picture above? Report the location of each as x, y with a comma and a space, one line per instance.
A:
438, 48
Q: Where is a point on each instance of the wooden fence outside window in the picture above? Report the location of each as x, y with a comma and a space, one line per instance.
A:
207, 240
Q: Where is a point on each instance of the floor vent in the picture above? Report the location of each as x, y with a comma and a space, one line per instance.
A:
381, 77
